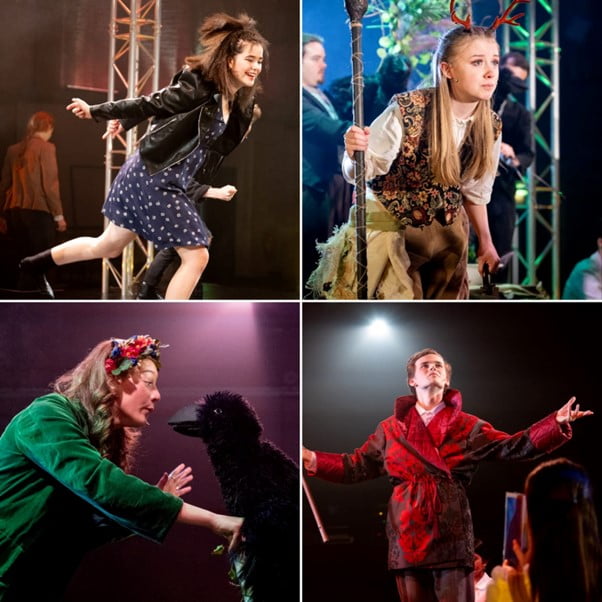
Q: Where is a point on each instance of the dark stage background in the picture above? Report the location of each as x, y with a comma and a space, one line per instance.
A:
53, 51
579, 95
250, 348
514, 364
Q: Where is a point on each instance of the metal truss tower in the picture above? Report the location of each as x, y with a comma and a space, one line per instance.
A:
539, 217
134, 70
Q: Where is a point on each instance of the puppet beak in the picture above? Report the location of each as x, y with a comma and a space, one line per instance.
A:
185, 422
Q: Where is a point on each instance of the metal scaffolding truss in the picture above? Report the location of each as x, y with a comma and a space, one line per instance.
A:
135, 29
538, 250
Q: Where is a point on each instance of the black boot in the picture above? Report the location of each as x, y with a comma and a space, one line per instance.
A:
147, 291
32, 273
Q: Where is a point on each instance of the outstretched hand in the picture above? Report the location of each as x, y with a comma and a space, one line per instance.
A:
176, 482
80, 108
567, 414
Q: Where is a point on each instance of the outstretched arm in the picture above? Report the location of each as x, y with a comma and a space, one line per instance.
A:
364, 463
544, 436
185, 92
226, 526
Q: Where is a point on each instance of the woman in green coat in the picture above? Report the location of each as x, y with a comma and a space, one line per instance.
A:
64, 463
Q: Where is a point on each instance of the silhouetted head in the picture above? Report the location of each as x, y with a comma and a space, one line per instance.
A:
394, 73
563, 533
218, 416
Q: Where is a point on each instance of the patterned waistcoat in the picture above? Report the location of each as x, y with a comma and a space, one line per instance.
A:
409, 191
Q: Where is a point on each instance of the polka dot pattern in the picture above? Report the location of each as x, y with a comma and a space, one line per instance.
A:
156, 207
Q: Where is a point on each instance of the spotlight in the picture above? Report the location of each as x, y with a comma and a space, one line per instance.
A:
379, 328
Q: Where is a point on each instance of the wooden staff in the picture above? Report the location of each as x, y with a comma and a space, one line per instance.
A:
314, 511
356, 10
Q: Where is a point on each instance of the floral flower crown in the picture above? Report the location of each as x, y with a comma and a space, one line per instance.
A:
126, 353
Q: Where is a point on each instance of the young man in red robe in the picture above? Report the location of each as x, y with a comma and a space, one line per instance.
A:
430, 449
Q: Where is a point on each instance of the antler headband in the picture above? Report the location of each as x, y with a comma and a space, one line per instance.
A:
505, 17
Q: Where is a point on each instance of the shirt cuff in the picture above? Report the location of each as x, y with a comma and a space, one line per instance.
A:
58, 218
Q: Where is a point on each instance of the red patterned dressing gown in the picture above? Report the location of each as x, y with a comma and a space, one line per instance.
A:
429, 524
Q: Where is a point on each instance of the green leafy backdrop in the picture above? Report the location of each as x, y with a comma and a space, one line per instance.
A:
412, 27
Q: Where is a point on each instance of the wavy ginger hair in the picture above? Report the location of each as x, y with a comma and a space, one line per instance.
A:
221, 38
89, 386
38, 122
444, 157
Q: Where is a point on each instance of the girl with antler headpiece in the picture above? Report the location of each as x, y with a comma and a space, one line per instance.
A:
64, 464
196, 121
431, 159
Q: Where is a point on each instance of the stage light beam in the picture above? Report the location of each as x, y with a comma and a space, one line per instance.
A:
379, 328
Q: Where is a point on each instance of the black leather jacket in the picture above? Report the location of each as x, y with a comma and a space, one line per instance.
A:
182, 114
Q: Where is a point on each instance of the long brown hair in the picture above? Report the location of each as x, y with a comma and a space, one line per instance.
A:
221, 37
444, 156
89, 386
566, 560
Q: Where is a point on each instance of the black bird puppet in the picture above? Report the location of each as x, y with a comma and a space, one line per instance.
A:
258, 482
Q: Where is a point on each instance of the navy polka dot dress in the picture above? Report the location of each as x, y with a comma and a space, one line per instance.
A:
156, 207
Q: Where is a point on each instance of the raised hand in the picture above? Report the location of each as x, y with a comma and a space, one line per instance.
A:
176, 482
568, 414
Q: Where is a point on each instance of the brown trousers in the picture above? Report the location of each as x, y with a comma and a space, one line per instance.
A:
438, 259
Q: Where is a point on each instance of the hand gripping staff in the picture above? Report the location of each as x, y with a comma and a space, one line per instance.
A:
356, 10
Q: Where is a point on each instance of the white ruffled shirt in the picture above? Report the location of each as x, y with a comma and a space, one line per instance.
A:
386, 135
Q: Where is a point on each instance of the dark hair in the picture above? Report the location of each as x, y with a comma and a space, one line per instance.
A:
221, 37
565, 546
411, 364
515, 58
394, 73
